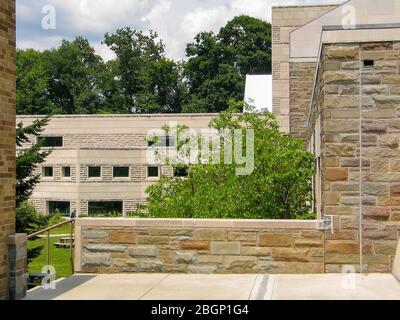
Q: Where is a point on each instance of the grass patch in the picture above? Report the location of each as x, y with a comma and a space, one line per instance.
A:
59, 257
64, 229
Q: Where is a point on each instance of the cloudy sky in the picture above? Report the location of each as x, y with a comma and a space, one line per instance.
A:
176, 21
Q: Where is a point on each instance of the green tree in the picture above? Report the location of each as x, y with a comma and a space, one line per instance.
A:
278, 188
32, 84
218, 63
28, 220
29, 158
73, 70
147, 80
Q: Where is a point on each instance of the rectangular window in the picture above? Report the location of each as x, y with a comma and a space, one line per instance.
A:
121, 172
47, 172
163, 141
94, 172
369, 63
50, 142
105, 208
181, 171
66, 172
152, 172
64, 207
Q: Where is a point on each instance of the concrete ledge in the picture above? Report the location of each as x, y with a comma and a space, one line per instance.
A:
197, 223
396, 264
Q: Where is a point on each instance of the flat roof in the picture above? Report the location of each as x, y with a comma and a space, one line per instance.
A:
149, 115
293, 3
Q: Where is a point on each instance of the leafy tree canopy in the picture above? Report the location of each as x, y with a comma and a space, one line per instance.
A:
278, 187
73, 79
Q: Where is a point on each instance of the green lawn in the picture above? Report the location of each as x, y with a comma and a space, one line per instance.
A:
65, 229
59, 257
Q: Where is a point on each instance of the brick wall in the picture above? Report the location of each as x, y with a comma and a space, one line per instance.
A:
7, 135
198, 246
346, 93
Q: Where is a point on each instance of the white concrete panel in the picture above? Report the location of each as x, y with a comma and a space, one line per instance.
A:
305, 40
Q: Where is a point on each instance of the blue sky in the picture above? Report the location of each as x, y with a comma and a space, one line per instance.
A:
176, 21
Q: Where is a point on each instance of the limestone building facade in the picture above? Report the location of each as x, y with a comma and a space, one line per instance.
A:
99, 163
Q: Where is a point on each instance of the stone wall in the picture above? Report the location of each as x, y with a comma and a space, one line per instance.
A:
364, 202
198, 246
284, 20
301, 85
7, 135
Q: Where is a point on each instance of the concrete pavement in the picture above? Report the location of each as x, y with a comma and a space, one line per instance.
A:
222, 287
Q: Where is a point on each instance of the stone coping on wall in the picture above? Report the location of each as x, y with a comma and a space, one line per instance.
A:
197, 223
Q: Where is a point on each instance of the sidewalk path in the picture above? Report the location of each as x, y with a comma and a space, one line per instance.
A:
224, 287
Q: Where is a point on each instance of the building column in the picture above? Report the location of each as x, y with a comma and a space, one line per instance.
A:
17, 261
7, 136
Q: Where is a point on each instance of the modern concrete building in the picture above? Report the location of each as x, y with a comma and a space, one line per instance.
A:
99, 163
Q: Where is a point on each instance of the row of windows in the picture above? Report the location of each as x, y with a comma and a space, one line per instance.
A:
95, 172
54, 142
48, 172
95, 208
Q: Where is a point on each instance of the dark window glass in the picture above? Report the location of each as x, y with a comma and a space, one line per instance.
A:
369, 63
66, 172
48, 171
163, 141
121, 172
94, 172
180, 171
59, 206
50, 142
105, 208
152, 172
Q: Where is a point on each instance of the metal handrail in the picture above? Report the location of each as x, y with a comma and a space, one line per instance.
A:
47, 230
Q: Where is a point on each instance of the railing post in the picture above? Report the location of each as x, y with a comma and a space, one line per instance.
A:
70, 247
48, 247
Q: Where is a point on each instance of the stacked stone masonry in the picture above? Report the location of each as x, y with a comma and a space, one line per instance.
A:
7, 135
199, 249
284, 20
348, 92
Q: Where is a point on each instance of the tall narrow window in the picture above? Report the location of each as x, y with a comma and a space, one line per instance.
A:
47, 172
66, 172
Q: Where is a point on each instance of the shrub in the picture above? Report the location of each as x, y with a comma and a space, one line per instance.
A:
28, 220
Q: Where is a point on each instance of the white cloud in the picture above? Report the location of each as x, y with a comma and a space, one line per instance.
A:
99, 16
40, 43
176, 21
103, 51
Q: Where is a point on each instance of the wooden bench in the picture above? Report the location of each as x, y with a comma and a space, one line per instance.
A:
64, 243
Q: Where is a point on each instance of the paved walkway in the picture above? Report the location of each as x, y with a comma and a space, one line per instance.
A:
224, 287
